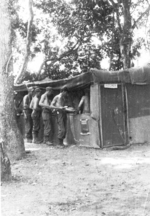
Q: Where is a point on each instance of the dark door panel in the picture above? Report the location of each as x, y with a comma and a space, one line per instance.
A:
113, 116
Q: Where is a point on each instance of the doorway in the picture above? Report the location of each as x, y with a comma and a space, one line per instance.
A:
113, 115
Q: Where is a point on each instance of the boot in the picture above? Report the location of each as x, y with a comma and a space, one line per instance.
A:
27, 140
46, 140
60, 143
35, 139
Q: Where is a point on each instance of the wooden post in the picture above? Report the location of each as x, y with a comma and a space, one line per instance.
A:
100, 118
125, 112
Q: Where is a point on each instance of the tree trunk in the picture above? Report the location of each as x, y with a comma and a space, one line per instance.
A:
5, 163
9, 132
126, 37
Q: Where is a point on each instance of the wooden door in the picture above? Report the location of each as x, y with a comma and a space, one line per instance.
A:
113, 115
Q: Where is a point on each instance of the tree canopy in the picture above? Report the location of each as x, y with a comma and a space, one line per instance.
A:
75, 35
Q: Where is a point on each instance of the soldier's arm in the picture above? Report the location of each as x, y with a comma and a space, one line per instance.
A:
31, 104
53, 103
81, 102
41, 102
25, 104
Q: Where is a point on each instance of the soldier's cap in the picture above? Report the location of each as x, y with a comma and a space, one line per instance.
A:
49, 88
37, 90
30, 89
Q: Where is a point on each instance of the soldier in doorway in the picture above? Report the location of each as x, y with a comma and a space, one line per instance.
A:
84, 103
59, 103
36, 114
27, 114
45, 103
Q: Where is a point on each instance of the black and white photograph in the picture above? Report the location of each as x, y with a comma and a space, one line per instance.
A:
75, 107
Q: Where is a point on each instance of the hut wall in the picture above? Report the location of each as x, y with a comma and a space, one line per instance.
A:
139, 113
74, 130
95, 101
88, 140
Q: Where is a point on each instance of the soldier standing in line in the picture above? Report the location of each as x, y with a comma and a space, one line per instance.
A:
45, 103
36, 114
27, 114
59, 103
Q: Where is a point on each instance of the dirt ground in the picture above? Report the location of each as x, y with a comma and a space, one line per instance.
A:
79, 182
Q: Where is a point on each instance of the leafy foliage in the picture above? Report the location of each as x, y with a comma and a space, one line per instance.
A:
77, 34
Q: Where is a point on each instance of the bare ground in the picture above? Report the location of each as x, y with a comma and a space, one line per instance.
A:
79, 182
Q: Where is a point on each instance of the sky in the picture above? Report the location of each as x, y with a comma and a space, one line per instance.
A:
138, 61
143, 59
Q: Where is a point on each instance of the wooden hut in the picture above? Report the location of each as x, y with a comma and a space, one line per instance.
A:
119, 106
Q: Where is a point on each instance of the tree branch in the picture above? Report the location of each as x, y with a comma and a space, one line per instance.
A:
117, 13
140, 17
65, 54
20, 76
54, 60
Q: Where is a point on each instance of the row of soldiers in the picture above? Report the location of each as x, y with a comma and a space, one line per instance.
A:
34, 104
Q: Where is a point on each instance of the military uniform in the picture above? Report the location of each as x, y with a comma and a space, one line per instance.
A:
36, 115
27, 117
36, 123
62, 125
45, 103
60, 102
